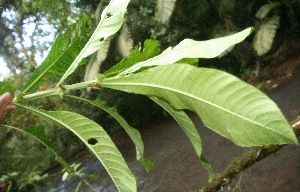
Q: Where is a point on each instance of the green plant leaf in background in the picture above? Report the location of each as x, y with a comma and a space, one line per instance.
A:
189, 48
133, 133
111, 21
6, 86
37, 133
264, 10
63, 52
97, 140
227, 105
191, 61
150, 49
189, 129
264, 37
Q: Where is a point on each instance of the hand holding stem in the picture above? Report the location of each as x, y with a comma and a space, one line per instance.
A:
5, 105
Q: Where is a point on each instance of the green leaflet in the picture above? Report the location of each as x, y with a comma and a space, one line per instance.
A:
264, 37
97, 140
111, 21
63, 52
185, 122
150, 49
189, 129
189, 48
133, 133
225, 104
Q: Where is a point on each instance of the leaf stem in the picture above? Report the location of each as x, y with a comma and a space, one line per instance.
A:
60, 90
85, 84
40, 94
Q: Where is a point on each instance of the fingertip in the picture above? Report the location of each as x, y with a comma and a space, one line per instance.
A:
8, 94
6, 97
11, 107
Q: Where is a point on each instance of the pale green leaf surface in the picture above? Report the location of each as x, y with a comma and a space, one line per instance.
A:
133, 133
98, 141
264, 38
227, 105
189, 48
189, 129
111, 21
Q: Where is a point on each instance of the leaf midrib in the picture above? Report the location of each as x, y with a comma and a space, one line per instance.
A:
186, 94
50, 66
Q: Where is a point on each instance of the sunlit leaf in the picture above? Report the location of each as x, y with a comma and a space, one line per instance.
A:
97, 140
111, 21
189, 48
225, 104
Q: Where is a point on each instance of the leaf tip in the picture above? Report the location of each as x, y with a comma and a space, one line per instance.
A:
252, 29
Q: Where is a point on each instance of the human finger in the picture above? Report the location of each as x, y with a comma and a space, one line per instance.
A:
6, 98
10, 107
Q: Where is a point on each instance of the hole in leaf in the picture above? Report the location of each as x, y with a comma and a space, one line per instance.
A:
102, 39
92, 141
108, 15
